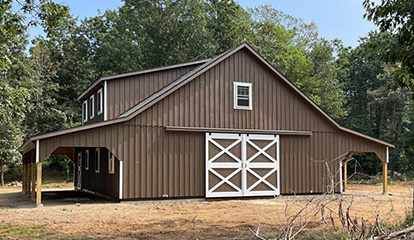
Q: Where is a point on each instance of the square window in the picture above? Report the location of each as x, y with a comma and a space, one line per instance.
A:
92, 101
111, 163
242, 95
85, 111
99, 102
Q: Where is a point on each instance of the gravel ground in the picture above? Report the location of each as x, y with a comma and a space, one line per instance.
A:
198, 219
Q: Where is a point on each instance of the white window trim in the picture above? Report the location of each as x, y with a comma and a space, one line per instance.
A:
85, 113
87, 160
105, 104
92, 99
235, 94
98, 161
100, 97
111, 163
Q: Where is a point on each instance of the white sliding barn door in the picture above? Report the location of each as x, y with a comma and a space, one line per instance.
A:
242, 165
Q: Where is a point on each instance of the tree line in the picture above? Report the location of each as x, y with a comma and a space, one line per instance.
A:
367, 88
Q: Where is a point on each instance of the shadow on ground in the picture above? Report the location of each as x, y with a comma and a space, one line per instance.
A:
49, 198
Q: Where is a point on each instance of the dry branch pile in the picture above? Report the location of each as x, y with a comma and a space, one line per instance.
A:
335, 214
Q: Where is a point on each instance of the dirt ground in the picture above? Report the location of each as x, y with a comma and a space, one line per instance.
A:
194, 219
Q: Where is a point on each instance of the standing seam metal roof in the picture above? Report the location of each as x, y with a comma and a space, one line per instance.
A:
181, 81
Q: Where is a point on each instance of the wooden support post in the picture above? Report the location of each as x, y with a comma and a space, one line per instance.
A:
385, 177
38, 175
29, 179
38, 184
345, 175
33, 190
26, 178
23, 177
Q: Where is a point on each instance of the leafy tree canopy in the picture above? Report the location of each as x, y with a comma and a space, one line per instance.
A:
396, 17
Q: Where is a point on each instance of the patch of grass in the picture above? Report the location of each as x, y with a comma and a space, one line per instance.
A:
409, 220
8, 231
35, 232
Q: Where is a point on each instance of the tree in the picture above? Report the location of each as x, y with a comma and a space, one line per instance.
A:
144, 34
376, 103
397, 18
297, 51
15, 85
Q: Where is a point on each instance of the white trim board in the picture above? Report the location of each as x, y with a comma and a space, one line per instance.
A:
121, 178
105, 104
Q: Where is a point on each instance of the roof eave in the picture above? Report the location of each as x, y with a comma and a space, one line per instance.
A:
366, 137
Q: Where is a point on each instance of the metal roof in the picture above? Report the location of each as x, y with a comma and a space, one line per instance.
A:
97, 82
181, 81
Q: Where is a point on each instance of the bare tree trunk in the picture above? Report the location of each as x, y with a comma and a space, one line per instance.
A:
1, 174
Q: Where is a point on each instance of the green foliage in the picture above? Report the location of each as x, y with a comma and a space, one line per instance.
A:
15, 86
375, 101
396, 17
360, 87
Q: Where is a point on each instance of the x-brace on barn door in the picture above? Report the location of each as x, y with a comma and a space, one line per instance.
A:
240, 165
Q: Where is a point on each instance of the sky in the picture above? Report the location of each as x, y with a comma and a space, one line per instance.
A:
342, 19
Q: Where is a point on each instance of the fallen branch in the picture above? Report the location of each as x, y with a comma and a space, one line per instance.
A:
395, 234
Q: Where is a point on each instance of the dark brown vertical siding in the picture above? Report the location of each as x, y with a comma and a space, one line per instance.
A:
159, 163
215, 96
167, 165
127, 92
208, 102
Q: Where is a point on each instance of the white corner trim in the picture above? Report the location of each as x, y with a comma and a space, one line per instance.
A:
37, 151
387, 154
105, 103
206, 164
278, 164
121, 179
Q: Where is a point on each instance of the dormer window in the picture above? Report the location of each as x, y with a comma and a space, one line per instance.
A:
85, 111
92, 101
242, 95
99, 102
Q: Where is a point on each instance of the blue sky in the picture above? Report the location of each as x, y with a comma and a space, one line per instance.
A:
342, 19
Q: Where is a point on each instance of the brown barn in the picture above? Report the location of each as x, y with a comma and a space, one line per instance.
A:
229, 126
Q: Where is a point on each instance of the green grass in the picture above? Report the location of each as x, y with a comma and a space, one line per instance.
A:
35, 232
8, 231
55, 179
